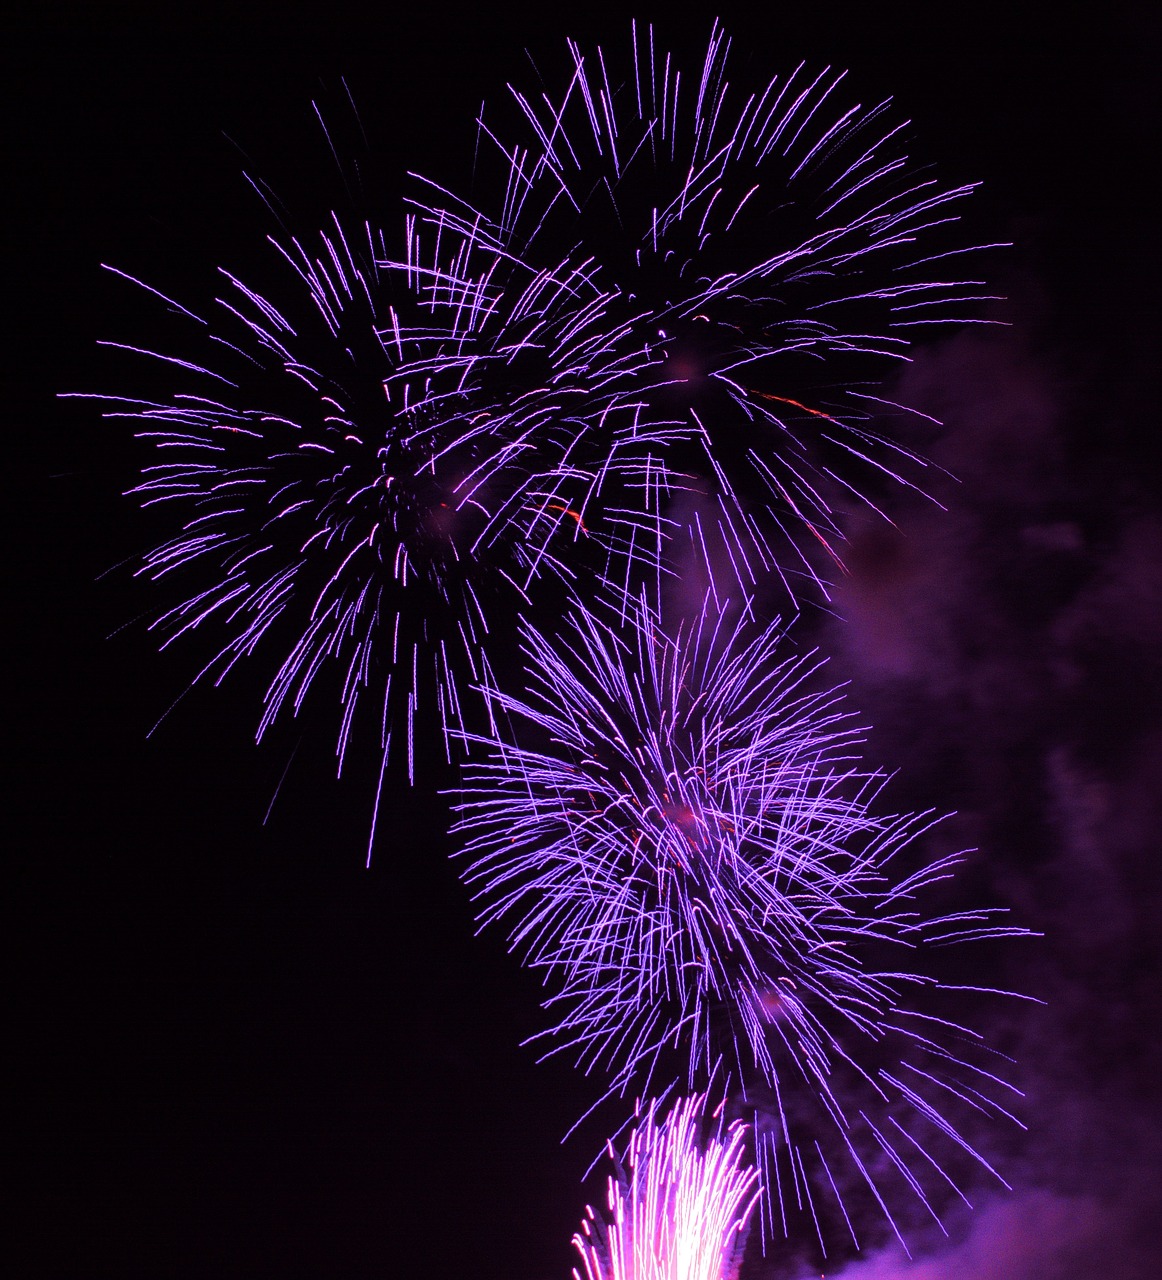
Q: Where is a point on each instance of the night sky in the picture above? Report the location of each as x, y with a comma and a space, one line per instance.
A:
239, 1052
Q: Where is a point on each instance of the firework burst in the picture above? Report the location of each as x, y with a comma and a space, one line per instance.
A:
766, 256
679, 1208
367, 477
685, 847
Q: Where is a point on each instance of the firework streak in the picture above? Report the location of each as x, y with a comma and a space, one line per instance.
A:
660, 328
362, 489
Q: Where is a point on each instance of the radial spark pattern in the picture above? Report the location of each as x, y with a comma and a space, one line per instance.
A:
652, 327
683, 846
366, 474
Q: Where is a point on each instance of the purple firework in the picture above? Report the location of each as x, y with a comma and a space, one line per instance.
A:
676, 834
679, 1208
365, 475
766, 255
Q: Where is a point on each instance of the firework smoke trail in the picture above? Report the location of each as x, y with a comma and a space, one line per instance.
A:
679, 1209
676, 834
768, 256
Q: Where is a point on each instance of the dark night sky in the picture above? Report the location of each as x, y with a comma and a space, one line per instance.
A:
242, 1054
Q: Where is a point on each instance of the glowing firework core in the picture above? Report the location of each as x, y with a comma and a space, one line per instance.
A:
681, 1208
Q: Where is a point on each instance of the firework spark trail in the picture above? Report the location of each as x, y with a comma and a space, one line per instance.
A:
679, 1209
676, 833
768, 255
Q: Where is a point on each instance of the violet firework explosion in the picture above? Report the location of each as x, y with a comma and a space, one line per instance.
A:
362, 486
766, 257
676, 834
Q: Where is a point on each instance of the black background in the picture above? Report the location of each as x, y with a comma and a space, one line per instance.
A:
238, 1052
